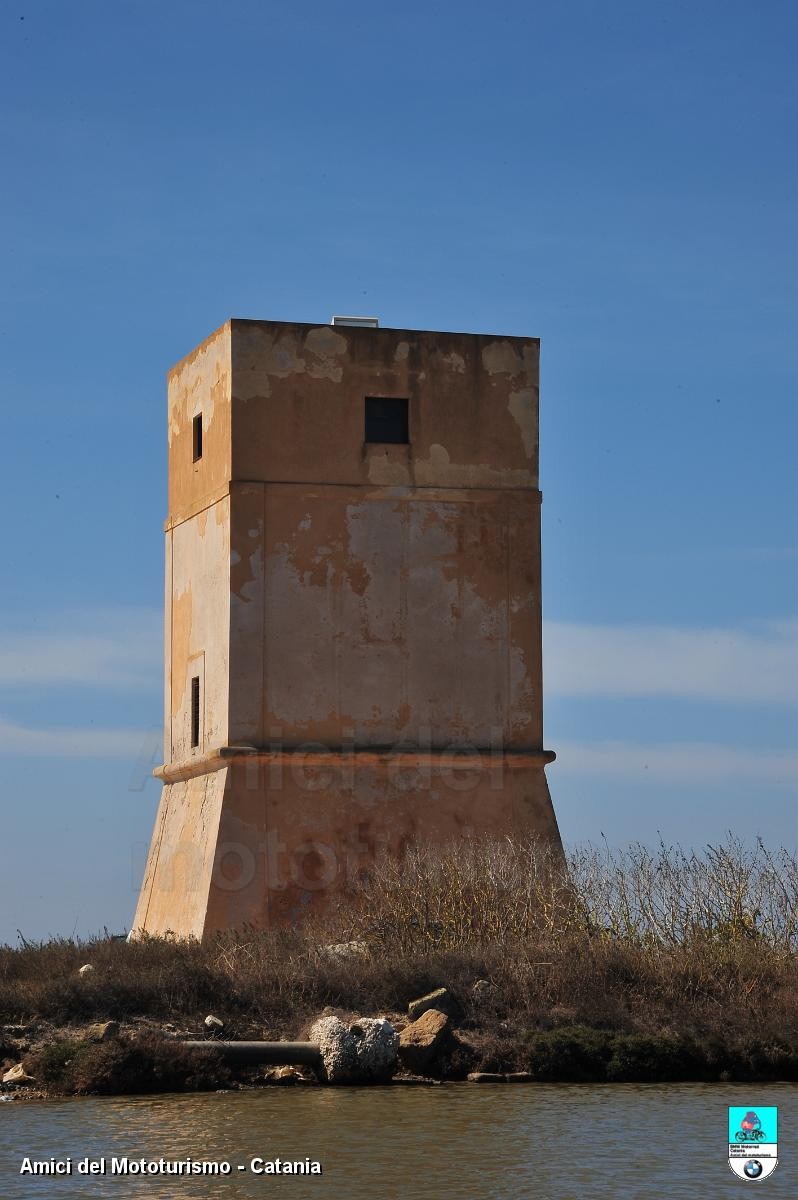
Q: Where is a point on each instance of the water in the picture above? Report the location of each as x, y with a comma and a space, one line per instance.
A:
505, 1142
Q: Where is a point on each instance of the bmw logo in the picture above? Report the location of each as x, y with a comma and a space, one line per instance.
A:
753, 1168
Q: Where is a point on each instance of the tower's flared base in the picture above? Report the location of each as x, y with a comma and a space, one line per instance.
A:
260, 840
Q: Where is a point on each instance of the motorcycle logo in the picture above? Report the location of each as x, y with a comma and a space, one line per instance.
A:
753, 1142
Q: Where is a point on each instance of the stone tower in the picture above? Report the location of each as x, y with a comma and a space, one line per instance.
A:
353, 620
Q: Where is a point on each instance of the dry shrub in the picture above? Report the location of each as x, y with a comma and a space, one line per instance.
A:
484, 892
640, 942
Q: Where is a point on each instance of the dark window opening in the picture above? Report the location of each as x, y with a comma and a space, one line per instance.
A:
197, 437
195, 711
386, 419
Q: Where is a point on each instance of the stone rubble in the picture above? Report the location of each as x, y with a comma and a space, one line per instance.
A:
424, 1040
441, 999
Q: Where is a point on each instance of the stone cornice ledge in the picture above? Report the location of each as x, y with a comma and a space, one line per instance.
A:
457, 757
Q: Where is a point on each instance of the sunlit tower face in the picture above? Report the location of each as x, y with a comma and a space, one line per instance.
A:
353, 614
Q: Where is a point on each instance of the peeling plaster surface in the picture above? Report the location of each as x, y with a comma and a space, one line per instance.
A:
178, 875
502, 358
247, 614
391, 613
389, 465
263, 355
198, 618
200, 384
261, 848
454, 361
439, 470
307, 384
523, 410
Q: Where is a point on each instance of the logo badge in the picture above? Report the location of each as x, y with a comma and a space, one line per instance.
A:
753, 1142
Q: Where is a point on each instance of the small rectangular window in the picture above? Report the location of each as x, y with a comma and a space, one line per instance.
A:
197, 437
195, 711
386, 419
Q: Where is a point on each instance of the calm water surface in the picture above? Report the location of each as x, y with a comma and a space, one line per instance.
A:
506, 1141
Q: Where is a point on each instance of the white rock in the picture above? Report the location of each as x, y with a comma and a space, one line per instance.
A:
377, 1048
363, 1052
17, 1074
337, 1049
86, 969
213, 1023
346, 950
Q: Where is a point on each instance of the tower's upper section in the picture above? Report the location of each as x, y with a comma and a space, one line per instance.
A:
281, 402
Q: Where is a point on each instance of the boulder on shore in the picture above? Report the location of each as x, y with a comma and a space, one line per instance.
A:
17, 1074
363, 1052
425, 1040
441, 999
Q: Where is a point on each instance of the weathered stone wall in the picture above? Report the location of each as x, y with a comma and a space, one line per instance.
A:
260, 841
197, 620
179, 875
369, 599
298, 406
386, 612
200, 384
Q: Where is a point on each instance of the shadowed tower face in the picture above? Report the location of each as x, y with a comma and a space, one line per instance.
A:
353, 620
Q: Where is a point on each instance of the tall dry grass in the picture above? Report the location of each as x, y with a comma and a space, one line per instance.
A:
700, 944
486, 893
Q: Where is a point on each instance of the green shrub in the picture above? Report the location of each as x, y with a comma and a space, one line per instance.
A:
142, 1064
647, 1058
575, 1055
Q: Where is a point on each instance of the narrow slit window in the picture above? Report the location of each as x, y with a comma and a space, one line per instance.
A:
195, 711
386, 419
197, 437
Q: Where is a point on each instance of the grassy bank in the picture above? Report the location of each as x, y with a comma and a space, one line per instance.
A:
644, 965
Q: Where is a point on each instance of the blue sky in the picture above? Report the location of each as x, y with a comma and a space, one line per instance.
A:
618, 179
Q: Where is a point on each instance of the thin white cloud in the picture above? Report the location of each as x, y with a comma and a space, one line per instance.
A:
107, 648
74, 743
124, 648
743, 666
689, 762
